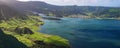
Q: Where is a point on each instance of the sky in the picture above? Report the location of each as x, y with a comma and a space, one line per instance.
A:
110, 3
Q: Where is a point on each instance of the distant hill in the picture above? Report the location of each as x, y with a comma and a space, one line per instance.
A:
60, 11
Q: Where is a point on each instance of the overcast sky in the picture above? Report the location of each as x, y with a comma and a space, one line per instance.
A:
113, 3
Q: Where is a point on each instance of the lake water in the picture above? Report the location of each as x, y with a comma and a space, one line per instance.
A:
85, 33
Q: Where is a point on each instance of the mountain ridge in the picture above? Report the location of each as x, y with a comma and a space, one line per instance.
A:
65, 11
60, 11
7, 12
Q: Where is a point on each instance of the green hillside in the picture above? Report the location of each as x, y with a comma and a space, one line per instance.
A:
26, 32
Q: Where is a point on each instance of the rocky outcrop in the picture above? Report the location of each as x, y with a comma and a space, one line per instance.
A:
24, 30
8, 41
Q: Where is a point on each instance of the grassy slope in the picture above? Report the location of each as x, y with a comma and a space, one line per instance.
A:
32, 23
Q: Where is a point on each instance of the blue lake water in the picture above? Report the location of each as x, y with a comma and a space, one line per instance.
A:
85, 33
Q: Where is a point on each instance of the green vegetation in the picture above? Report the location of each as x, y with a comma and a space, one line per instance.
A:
58, 11
33, 24
8, 41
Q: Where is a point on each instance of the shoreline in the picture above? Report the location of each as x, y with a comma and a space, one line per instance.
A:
95, 18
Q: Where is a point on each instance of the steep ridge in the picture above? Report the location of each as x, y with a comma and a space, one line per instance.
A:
7, 12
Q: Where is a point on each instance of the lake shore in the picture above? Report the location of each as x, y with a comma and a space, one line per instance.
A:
85, 33
88, 17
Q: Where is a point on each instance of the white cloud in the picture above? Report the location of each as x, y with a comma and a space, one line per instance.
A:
24, 0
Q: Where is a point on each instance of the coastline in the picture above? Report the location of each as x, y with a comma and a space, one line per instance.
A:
29, 36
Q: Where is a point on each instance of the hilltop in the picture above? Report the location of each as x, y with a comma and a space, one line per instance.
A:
7, 12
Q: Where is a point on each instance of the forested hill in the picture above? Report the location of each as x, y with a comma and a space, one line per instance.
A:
7, 12
60, 11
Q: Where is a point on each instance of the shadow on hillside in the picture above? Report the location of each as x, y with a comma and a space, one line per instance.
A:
8, 41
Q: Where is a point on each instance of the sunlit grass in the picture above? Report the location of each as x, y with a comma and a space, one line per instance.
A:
33, 24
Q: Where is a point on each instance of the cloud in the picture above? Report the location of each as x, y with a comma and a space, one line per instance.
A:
82, 2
